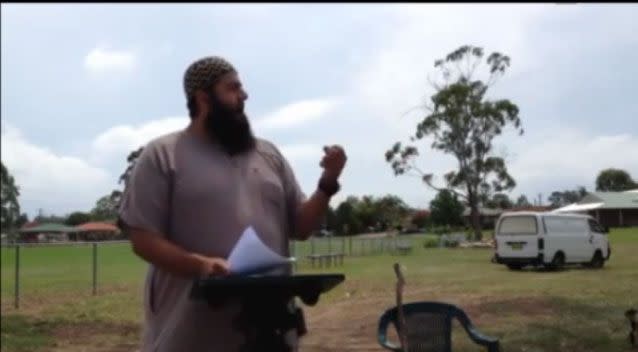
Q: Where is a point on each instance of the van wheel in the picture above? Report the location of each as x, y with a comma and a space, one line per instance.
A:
515, 266
597, 261
558, 262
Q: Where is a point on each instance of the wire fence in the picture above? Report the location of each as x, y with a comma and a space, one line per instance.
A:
40, 274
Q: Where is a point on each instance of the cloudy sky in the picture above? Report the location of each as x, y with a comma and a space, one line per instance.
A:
82, 85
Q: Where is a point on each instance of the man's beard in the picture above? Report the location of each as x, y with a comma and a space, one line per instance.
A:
230, 128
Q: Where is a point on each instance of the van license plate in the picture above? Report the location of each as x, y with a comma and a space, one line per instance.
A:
517, 246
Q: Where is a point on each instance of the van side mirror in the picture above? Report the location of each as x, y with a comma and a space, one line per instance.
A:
605, 229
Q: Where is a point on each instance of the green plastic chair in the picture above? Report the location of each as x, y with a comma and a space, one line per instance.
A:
429, 328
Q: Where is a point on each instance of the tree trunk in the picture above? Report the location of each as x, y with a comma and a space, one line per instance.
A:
476, 221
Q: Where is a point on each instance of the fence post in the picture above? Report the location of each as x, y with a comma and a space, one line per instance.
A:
350, 243
17, 278
292, 251
312, 245
329, 245
94, 268
343, 245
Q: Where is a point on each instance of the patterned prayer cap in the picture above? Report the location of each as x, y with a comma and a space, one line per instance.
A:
203, 73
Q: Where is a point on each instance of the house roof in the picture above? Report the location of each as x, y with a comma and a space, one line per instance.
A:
483, 211
422, 212
97, 226
536, 208
612, 200
49, 228
29, 225
578, 207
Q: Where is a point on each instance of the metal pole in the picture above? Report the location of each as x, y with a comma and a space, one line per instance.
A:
94, 269
17, 278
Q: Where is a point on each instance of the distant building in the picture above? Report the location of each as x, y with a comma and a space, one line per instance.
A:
612, 209
96, 231
415, 221
47, 232
487, 217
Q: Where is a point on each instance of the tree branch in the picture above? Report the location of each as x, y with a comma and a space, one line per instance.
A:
439, 189
476, 63
421, 106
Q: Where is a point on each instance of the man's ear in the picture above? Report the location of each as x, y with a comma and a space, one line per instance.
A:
201, 99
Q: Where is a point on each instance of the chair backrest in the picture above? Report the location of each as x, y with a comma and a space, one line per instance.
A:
428, 325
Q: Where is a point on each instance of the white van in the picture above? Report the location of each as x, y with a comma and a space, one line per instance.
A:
550, 239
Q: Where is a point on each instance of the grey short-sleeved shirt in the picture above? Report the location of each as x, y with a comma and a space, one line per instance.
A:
202, 199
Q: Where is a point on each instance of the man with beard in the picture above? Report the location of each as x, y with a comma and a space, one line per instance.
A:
191, 195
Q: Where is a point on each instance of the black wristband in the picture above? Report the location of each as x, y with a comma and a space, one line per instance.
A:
329, 187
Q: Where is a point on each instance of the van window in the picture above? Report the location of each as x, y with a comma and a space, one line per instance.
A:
566, 225
595, 226
518, 225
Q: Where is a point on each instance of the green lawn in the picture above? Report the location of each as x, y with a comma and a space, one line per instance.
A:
572, 310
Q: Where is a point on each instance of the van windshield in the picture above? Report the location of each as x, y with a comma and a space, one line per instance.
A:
518, 225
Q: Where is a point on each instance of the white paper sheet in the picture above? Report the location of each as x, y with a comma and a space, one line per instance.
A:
251, 255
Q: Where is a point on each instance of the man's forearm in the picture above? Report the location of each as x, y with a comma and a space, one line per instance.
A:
310, 214
165, 255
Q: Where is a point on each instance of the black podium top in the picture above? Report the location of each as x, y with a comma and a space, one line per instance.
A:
307, 287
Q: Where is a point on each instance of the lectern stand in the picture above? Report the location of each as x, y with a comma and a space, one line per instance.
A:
267, 304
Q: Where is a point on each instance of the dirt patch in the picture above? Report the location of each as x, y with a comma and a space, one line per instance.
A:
86, 330
524, 306
343, 326
346, 323
100, 336
352, 325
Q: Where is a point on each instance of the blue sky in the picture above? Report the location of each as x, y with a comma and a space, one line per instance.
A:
82, 85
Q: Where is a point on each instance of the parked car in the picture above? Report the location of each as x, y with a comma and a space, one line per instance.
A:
549, 239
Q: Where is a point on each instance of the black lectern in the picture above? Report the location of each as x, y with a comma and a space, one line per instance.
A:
267, 309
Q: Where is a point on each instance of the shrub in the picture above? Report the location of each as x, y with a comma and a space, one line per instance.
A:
451, 244
430, 243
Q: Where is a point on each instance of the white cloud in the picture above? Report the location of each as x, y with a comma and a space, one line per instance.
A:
118, 141
391, 78
55, 183
296, 114
302, 152
101, 59
566, 158
396, 79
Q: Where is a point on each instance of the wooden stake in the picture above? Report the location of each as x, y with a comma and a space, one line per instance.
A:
402, 324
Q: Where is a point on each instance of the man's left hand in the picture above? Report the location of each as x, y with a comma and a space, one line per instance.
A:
333, 162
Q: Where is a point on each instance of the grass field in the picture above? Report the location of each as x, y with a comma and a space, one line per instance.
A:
572, 310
